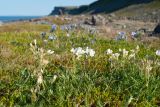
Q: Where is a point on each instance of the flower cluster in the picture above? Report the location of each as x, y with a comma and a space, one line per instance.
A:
112, 55
53, 28
121, 36
79, 52
39, 54
68, 27
133, 35
123, 53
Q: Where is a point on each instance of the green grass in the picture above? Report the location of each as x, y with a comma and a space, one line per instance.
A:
92, 81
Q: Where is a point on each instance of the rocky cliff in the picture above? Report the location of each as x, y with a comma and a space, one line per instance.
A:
110, 6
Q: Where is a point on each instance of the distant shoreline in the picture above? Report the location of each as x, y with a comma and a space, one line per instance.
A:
8, 19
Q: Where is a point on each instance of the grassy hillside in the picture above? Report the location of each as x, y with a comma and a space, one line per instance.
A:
108, 6
140, 9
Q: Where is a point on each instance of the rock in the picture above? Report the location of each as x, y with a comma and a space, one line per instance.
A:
87, 21
157, 29
93, 20
112, 15
60, 12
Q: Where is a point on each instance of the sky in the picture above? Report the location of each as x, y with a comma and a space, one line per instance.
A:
35, 7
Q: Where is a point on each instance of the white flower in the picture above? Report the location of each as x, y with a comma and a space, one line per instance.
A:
91, 52
73, 50
109, 51
52, 37
131, 56
137, 48
120, 49
158, 52
125, 53
50, 52
45, 41
115, 56
133, 51
130, 100
35, 42
54, 79
68, 35
40, 79
78, 51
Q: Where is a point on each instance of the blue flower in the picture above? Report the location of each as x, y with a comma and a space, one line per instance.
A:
121, 33
53, 28
121, 36
134, 35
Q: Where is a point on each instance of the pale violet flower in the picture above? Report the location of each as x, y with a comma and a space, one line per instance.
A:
158, 52
121, 33
133, 33
53, 28
121, 36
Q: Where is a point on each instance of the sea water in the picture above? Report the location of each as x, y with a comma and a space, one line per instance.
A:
4, 19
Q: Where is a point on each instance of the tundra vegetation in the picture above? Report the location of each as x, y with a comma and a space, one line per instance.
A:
42, 65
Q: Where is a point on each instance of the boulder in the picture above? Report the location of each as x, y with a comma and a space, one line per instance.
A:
157, 29
94, 20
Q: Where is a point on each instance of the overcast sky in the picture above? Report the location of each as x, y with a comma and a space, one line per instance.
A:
35, 7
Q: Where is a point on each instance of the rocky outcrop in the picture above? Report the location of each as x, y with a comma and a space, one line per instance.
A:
63, 10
